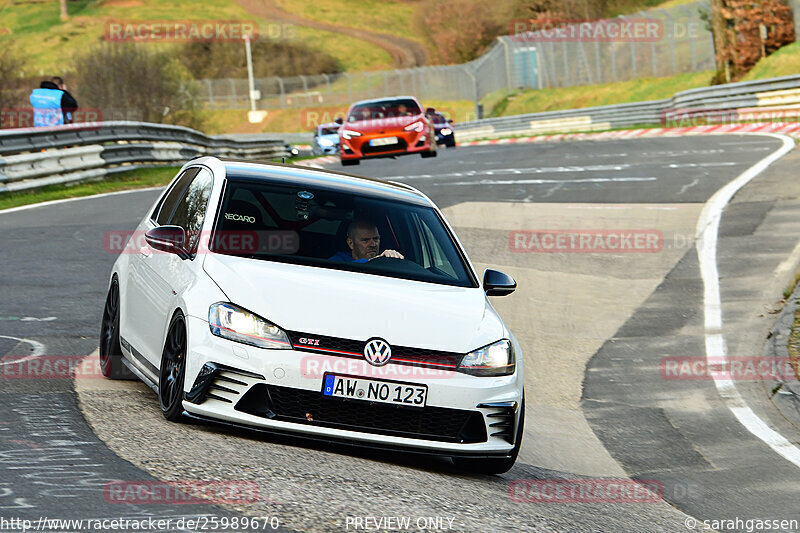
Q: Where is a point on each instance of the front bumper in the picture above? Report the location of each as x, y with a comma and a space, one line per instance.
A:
281, 391
326, 150
409, 142
447, 139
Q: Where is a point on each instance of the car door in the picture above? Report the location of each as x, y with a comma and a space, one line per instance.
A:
164, 276
136, 317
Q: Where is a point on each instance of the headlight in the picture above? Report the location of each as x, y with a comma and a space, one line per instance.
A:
416, 126
349, 134
233, 323
325, 142
494, 360
446, 131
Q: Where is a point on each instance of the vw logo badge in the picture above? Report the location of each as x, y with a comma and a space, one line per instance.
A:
377, 352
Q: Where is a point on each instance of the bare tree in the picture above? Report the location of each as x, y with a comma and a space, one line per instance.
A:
11, 92
745, 31
64, 12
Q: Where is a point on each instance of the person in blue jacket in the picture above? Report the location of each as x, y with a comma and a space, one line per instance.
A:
46, 102
364, 242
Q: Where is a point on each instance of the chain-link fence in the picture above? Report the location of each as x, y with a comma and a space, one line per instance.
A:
659, 42
446, 82
656, 43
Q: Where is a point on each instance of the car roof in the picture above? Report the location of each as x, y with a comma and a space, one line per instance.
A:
252, 172
385, 99
329, 125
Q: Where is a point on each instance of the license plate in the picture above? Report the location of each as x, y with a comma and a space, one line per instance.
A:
375, 390
383, 141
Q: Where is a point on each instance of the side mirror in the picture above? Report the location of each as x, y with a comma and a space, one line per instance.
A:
170, 239
450, 121
496, 283
339, 120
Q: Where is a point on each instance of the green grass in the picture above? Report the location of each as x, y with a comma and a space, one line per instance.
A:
134, 179
794, 342
505, 103
342, 47
383, 16
46, 43
784, 62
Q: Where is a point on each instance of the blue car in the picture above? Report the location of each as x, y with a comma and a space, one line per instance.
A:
326, 139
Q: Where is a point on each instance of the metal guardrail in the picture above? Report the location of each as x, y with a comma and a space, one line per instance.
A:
728, 101
31, 158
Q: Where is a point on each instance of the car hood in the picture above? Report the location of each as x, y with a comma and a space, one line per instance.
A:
358, 306
379, 125
333, 137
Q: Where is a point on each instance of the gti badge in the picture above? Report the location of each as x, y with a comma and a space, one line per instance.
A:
377, 352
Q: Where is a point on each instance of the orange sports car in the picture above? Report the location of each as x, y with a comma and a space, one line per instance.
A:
386, 127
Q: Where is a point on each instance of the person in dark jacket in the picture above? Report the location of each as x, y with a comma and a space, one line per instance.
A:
68, 102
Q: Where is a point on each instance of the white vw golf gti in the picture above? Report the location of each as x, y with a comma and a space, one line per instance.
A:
311, 302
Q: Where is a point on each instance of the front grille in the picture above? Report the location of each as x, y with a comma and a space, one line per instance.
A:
321, 344
366, 149
313, 408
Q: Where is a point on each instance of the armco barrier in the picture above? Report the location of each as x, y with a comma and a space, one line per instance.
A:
734, 98
34, 157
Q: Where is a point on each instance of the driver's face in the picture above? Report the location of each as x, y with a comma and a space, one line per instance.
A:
365, 243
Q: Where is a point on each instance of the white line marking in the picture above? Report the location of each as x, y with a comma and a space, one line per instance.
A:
701, 165
707, 232
789, 262
65, 200
544, 181
692, 184
38, 349
530, 170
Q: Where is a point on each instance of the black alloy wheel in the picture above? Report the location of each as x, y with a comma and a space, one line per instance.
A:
173, 370
110, 350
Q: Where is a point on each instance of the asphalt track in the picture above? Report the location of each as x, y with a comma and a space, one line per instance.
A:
54, 268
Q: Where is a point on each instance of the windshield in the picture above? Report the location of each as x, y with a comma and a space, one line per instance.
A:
403, 107
329, 131
438, 118
332, 229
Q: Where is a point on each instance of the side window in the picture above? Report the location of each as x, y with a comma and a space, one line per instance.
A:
191, 208
166, 207
439, 259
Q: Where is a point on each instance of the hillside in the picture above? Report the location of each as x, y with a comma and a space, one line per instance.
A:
363, 35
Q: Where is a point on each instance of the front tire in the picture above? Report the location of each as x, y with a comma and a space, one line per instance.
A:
173, 370
111, 364
496, 466
429, 153
350, 162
